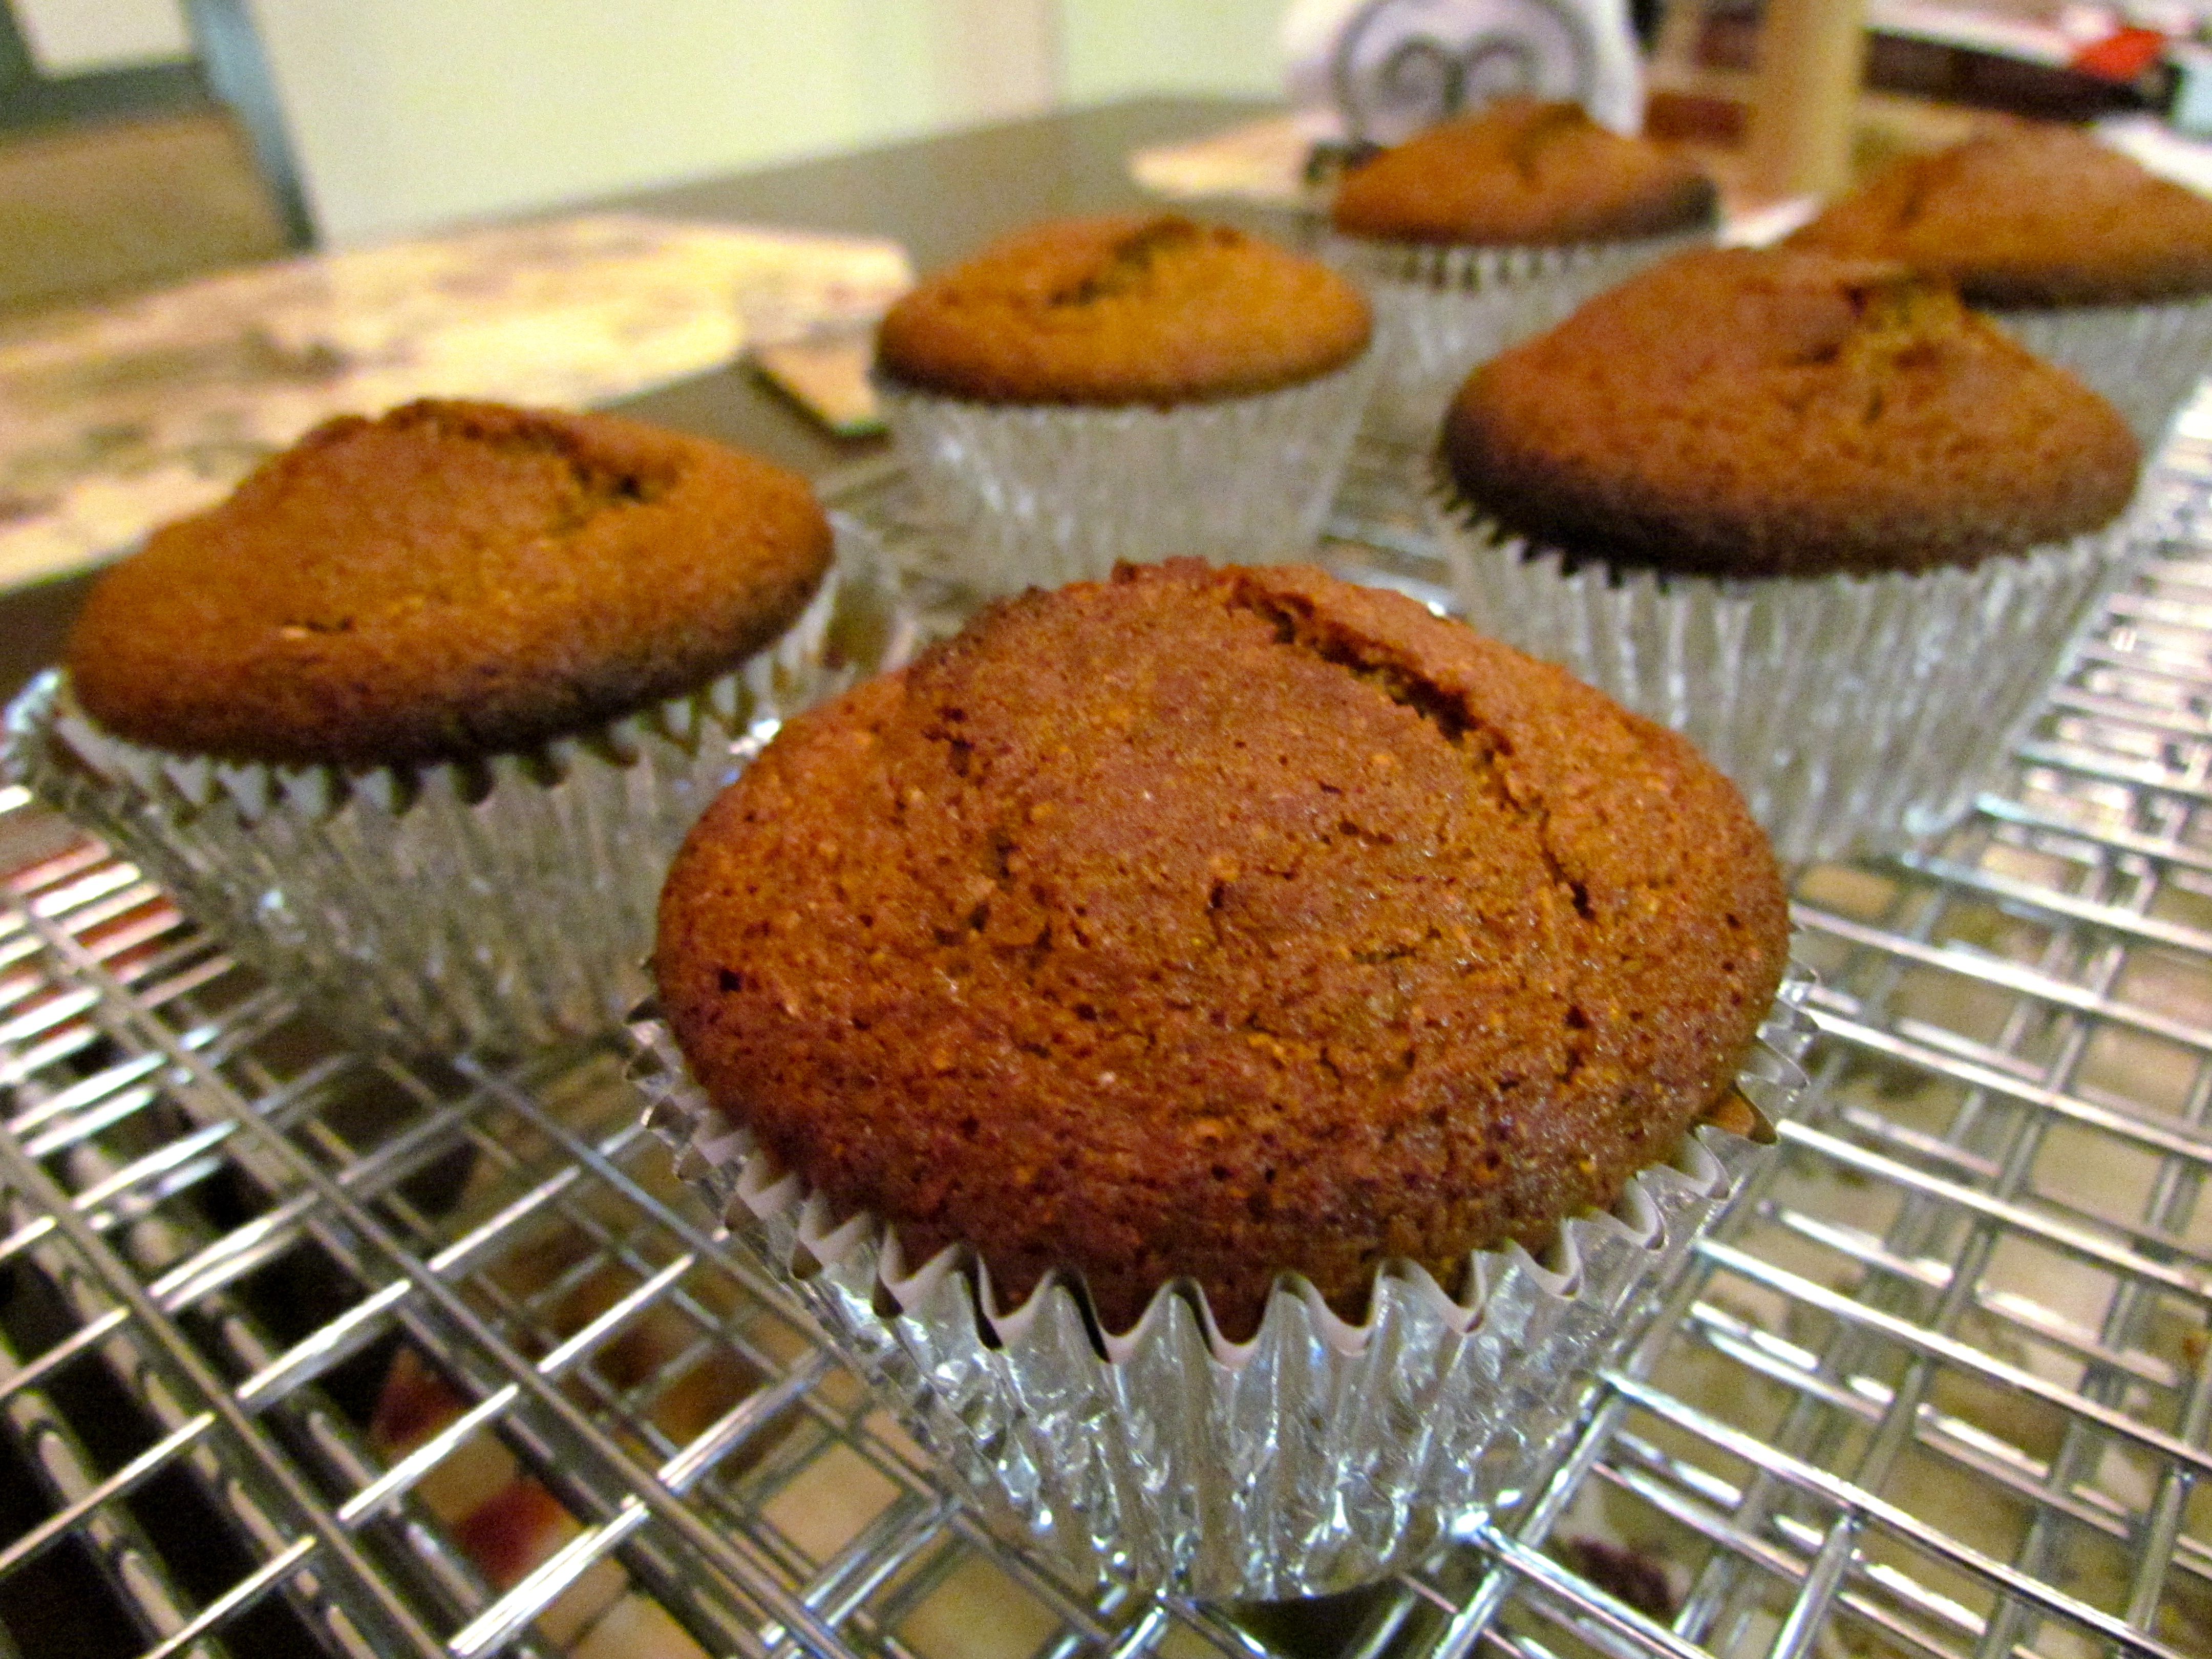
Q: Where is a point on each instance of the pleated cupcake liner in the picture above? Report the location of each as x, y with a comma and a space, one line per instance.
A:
1320, 1454
1856, 713
502, 904
1440, 311
2147, 360
1046, 494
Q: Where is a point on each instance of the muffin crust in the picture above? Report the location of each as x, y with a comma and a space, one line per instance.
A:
1123, 310
2030, 214
449, 580
1785, 413
1526, 173
1214, 923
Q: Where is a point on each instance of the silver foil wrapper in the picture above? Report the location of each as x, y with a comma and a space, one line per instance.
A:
498, 904
1439, 310
1852, 711
1044, 493
1318, 1455
2148, 360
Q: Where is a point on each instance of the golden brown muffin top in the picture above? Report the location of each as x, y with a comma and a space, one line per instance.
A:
1523, 172
1785, 413
1123, 310
449, 580
2030, 214
1217, 923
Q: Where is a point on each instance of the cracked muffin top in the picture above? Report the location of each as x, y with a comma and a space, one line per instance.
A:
2029, 214
1123, 310
1740, 412
1523, 172
1214, 923
449, 580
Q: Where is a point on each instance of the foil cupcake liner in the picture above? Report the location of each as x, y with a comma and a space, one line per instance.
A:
1440, 311
1854, 712
2147, 360
1046, 494
498, 904
1317, 1456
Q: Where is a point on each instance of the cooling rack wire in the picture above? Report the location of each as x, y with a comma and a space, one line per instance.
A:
306, 1351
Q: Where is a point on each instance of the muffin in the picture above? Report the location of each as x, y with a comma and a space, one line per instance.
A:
1487, 229
1522, 173
1231, 940
1808, 510
2089, 260
414, 715
1123, 387
445, 582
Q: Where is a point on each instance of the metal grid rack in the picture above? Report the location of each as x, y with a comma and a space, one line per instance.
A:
307, 1350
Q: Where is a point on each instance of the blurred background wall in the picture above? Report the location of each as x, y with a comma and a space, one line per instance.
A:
403, 114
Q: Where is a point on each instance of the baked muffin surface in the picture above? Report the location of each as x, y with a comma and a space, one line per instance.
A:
1523, 172
1734, 411
2029, 214
1128, 309
1216, 923
448, 580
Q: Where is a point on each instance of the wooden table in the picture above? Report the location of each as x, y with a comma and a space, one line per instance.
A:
939, 196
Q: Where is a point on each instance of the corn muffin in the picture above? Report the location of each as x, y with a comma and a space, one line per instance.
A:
1523, 172
1131, 387
1123, 310
1481, 232
448, 580
1219, 924
1757, 414
416, 717
1808, 510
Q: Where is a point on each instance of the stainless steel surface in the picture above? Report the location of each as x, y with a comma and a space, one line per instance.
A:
1940, 1388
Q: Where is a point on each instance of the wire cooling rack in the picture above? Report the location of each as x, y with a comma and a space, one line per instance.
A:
303, 1351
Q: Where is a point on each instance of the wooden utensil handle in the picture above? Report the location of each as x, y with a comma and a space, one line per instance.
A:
1811, 57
